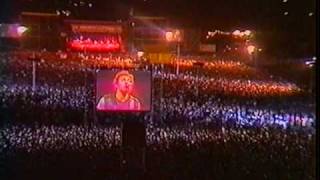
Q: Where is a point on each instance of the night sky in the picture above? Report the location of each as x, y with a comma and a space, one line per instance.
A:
286, 21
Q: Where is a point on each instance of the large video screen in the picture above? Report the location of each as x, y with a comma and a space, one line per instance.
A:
123, 90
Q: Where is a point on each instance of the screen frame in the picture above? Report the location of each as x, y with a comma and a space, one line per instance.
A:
126, 110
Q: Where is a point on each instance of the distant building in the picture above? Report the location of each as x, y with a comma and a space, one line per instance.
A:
43, 31
154, 37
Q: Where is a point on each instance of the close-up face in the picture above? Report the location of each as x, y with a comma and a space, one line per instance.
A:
125, 84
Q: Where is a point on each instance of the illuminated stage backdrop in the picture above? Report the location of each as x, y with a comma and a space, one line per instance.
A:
122, 90
94, 36
95, 43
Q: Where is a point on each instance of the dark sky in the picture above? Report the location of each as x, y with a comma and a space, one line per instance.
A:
207, 13
267, 16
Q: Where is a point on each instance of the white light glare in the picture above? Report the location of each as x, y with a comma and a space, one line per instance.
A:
21, 30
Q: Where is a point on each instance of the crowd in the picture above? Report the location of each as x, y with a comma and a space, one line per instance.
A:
199, 153
217, 120
53, 152
199, 97
236, 87
55, 138
173, 152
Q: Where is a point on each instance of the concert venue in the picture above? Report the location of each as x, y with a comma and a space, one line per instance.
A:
157, 90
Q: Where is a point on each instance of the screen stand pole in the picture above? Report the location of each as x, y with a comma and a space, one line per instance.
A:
178, 58
33, 75
133, 145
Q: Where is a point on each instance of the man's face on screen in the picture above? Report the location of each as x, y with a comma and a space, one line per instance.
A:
125, 84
